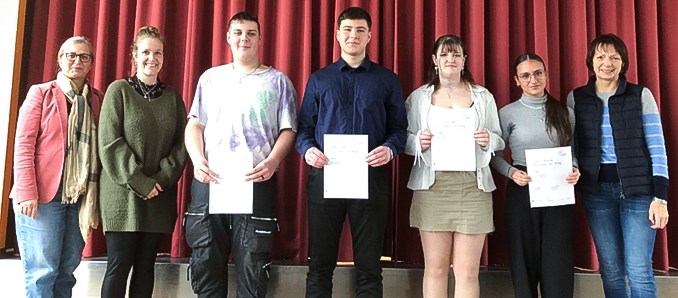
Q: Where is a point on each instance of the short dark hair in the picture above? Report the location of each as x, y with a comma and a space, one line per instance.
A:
608, 40
355, 13
244, 16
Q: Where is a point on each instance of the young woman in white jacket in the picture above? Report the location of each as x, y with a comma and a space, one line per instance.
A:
451, 209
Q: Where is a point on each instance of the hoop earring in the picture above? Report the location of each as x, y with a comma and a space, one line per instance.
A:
462, 71
436, 67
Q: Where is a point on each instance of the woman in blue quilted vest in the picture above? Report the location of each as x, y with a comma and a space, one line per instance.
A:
619, 143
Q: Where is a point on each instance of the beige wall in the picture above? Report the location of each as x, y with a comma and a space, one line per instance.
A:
12, 14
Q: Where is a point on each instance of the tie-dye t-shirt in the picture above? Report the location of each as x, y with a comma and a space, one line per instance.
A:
244, 112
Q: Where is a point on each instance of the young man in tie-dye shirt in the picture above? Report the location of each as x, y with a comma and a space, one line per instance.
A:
243, 107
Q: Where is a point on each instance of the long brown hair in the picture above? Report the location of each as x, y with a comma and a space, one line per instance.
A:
450, 43
556, 114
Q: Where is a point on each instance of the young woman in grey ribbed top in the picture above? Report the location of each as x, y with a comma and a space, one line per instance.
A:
540, 240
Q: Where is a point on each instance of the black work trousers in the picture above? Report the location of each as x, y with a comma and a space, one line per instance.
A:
540, 245
367, 219
130, 250
213, 237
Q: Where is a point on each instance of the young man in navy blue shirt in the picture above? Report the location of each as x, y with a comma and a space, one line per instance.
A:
351, 96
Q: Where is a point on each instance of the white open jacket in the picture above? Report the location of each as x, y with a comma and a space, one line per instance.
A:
418, 105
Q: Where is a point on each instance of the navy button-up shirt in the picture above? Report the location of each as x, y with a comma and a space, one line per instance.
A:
344, 100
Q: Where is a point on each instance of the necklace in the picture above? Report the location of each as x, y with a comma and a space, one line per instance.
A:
442, 88
247, 75
145, 89
147, 92
534, 108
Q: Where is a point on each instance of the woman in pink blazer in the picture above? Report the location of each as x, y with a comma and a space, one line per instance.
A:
56, 171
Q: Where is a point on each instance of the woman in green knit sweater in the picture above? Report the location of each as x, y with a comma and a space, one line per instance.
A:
141, 133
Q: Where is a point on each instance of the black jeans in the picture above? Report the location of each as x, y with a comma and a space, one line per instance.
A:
128, 250
213, 237
540, 245
367, 219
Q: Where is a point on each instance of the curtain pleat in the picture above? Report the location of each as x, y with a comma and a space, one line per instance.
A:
299, 37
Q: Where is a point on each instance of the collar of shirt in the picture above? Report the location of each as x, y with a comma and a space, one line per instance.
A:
343, 65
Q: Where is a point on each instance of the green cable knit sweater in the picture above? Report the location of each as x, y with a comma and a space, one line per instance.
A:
141, 143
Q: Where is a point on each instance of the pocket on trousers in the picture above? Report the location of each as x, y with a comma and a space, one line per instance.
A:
197, 226
259, 234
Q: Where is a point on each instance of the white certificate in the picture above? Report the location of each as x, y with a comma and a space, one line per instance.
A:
548, 169
453, 147
346, 174
231, 194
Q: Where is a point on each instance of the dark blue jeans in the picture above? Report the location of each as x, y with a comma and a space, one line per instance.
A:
624, 241
367, 219
213, 237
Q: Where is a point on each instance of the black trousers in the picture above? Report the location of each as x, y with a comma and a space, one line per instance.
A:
367, 219
127, 250
213, 237
540, 245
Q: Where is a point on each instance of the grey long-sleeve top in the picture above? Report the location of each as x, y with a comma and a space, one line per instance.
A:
523, 127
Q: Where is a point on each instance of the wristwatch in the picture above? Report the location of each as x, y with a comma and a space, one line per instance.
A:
658, 200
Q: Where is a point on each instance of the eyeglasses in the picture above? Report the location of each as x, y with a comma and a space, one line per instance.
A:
525, 77
83, 57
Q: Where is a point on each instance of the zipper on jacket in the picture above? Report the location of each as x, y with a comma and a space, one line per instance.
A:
600, 148
621, 185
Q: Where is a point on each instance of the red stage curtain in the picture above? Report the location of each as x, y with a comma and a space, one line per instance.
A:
299, 38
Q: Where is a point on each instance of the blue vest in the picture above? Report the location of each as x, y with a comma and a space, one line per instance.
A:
634, 165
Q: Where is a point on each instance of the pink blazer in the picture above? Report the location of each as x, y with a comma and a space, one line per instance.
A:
40, 143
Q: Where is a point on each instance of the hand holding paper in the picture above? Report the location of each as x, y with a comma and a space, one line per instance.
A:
202, 172
521, 178
264, 170
315, 158
573, 177
379, 156
482, 137
425, 138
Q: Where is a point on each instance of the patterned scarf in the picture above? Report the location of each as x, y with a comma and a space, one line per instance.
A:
81, 166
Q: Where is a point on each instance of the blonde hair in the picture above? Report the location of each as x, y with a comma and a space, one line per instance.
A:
73, 40
143, 33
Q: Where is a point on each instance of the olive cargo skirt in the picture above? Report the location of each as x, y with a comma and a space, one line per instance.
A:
453, 204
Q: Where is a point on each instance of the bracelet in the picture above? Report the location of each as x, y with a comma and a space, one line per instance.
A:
658, 200
391, 151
